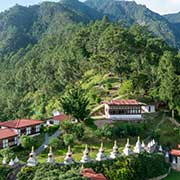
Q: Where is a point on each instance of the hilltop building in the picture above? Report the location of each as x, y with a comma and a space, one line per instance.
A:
129, 109
123, 109
11, 131
57, 119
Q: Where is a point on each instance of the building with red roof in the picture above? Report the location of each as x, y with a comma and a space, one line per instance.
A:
123, 109
8, 138
89, 173
23, 126
57, 119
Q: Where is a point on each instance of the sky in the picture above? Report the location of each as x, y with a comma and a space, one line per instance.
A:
159, 6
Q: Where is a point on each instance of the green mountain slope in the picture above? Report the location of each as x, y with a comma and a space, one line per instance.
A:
131, 12
48, 47
20, 26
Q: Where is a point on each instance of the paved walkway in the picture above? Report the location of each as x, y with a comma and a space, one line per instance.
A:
46, 142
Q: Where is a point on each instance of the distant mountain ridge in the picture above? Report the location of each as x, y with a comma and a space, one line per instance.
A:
21, 26
130, 12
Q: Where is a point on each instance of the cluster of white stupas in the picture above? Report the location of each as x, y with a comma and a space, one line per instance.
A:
101, 156
12, 162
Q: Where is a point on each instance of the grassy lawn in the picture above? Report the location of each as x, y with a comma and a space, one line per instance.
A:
173, 176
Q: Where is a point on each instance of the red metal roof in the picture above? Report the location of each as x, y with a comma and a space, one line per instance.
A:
61, 117
124, 102
89, 173
20, 123
7, 133
175, 152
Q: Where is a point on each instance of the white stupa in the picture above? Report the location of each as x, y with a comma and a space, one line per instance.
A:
143, 146
68, 159
101, 155
4, 161
115, 152
50, 156
32, 161
160, 149
86, 158
138, 147
127, 150
16, 160
11, 163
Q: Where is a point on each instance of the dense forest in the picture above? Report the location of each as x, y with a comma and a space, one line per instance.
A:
46, 48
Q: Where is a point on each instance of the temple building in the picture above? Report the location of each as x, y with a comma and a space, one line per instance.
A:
57, 119
8, 138
23, 126
123, 110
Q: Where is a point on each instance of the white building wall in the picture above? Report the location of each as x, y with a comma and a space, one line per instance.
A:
125, 117
148, 109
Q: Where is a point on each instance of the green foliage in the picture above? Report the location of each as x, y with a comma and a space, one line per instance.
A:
68, 139
75, 103
26, 173
56, 143
34, 77
126, 87
128, 129
106, 131
4, 171
27, 142
7, 152
50, 129
142, 166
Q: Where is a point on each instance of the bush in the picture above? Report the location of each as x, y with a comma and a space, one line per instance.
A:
4, 171
106, 131
7, 152
51, 129
76, 129
56, 143
139, 167
26, 141
126, 130
68, 139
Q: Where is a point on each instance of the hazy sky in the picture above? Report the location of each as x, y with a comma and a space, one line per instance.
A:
160, 6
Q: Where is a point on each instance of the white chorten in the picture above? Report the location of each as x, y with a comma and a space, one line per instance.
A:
11, 163
160, 149
101, 155
86, 158
115, 152
138, 147
4, 161
127, 150
50, 156
32, 161
68, 159
16, 160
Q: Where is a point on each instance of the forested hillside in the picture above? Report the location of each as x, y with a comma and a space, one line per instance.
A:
48, 47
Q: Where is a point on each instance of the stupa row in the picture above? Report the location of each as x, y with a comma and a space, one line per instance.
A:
101, 156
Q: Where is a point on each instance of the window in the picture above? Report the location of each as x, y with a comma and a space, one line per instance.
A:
19, 132
5, 143
38, 128
28, 130
15, 140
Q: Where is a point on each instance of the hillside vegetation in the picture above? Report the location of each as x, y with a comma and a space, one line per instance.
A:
48, 47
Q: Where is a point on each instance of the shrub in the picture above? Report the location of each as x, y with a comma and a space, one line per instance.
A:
26, 141
139, 167
56, 143
68, 139
51, 129
4, 171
